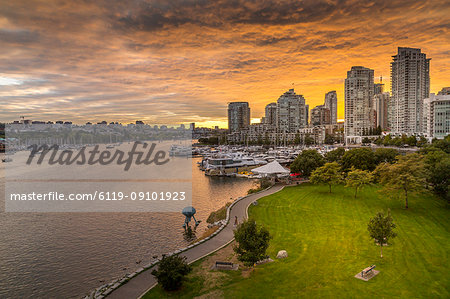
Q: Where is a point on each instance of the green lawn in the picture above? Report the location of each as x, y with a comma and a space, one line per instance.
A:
326, 238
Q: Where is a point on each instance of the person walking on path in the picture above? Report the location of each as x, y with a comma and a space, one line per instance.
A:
235, 221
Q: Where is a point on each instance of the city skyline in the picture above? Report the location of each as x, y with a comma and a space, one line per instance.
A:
162, 63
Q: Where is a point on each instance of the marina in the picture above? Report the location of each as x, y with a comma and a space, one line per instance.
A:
238, 161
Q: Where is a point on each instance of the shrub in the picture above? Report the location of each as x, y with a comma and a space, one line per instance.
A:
171, 272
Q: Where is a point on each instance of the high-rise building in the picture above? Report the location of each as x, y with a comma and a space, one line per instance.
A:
410, 84
436, 116
378, 88
291, 112
380, 105
331, 103
320, 115
271, 114
358, 98
238, 116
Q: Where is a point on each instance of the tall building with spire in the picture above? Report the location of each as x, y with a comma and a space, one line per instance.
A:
291, 112
331, 103
359, 89
410, 84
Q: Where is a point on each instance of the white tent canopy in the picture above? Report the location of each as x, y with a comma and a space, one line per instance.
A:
271, 168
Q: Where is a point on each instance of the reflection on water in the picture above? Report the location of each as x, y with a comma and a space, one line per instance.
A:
69, 254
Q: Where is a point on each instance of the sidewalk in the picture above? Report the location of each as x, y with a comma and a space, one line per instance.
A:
139, 285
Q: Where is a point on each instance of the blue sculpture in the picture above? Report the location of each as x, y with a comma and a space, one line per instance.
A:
189, 212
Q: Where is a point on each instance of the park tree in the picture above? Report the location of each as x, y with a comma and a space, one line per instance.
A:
411, 141
171, 272
437, 165
397, 141
252, 242
381, 229
307, 162
422, 141
378, 130
329, 174
335, 155
385, 155
406, 176
329, 139
378, 141
360, 158
443, 144
387, 140
308, 140
358, 178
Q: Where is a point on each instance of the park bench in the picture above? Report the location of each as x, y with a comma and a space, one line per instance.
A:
367, 270
224, 265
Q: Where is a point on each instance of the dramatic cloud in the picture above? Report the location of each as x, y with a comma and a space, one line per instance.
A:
182, 61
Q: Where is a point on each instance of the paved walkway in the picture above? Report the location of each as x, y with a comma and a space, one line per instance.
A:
140, 284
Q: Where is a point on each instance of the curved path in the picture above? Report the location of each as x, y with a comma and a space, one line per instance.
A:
140, 284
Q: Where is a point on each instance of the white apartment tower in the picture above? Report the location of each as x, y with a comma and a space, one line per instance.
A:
291, 112
410, 84
331, 103
358, 100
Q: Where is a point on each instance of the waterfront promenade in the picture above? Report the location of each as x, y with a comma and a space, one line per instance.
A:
140, 284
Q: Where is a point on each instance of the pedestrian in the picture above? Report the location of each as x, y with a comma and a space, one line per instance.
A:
235, 220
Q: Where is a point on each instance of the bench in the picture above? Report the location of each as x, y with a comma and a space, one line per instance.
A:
224, 265
367, 270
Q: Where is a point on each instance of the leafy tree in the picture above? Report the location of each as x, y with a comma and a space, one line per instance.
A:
443, 144
360, 158
387, 140
308, 140
386, 155
306, 162
366, 140
358, 178
252, 242
335, 155
437, 165
397, 141
405, 176
171, 272
329, 174
411, 141
378, 141
422, 141
381, 228
379, 130
329, 139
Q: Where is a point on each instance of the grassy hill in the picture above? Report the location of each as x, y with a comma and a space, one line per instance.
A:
326, 238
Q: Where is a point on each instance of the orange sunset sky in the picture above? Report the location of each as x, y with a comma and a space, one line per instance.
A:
169, 62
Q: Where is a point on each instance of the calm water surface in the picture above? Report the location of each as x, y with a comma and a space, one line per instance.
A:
67, 255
